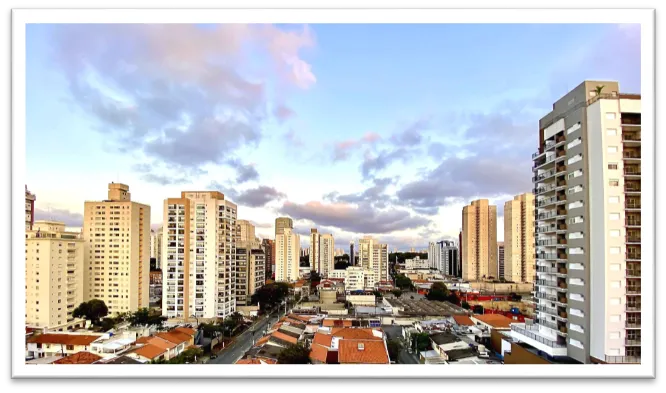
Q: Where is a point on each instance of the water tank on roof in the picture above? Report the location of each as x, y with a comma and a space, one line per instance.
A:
515, 310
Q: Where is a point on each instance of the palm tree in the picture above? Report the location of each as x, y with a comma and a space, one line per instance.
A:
598, 89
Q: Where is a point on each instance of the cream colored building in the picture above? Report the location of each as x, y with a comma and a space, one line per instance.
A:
313, 251
29, 209
156, 245
250, 271
117, 253
54, 274
287, 249
245, 231
356, 278
199, 250
281, 223
373, 258
322, 252
479, 241
519, 239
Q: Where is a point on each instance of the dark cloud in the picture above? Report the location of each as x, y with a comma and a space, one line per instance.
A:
358, 219
373, 164
436, 150
245, 172
374, 195
176, 93
412, 134
71, 219
252, 197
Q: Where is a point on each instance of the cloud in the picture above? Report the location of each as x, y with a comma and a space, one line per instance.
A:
253, 197
342, 150
71, 219
163, 180
180, 93
411, 135
283, 113
373, 164
245, 172
353, 218
293, 139
374, 195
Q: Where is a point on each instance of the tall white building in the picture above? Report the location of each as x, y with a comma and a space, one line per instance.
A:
199, 248
117, 251
373, 258
322, 252
287, 246
587, 186
434, 256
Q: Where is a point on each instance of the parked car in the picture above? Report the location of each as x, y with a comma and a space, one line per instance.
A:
213, 356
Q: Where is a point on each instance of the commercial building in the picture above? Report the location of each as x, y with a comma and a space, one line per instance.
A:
287, 245
250, 271
117, 251
269, 251
445, 258
373, 258
281, 223
53, 274
29, 209
519, 239
417, 263
355, 278
587, 185
199, 251
479, 241
500, 258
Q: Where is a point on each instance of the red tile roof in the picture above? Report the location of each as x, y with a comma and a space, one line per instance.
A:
262, 341
188, 331
497, 321
175, 337
82, 357
284, 337
150, 351
373, 352
143, 340
463, 320
256, 361
318, 353
322, 339
161, 343
355, 334
337, 322
65, 339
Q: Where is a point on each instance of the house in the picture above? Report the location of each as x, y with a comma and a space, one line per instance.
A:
487, 323
349, 345
256, 361
302, 288
362, 352
163, 346
122, 360
444, 342
82, 357
60, 344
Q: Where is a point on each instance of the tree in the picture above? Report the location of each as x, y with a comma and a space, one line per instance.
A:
477, 309
394, 347
438, 292
377, 294
92, 310
304, 261
341, 264
396, 292
465, 305
146, 317
295, 354
598, 89
270, 295
515, 297
421, 341
403, 282
314, 277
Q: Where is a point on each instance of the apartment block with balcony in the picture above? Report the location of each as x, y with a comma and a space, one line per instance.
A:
587, 188
373, 258
199, 256
518, 258
287, 249
250, 271
117, 251
479, 241
54, 275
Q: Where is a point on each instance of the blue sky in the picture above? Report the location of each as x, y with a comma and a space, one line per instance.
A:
354, 129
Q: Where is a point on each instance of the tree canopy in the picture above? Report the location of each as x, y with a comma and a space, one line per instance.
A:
295, 354
314, 276
270, 295
439, 292
421, 341
394, 347
146, 317
92, 310
402, 256
396, 292
403, 282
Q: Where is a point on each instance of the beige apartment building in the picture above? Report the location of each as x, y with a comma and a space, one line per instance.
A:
250, 271
500, 259
29, 209
287, 248
373, 258
117, 251
199, 250
53, 274
587, 183
313, 251
281, 223
156, 246
479, 241
245, 231
519, 239
321, 253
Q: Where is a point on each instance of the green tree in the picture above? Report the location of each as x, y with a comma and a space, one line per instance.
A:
146, 317
403, 282
270, 295
396, 292
314, 277
438, 292
295, 354
465, 305
92, 310
421, 341
477, 309
394, 347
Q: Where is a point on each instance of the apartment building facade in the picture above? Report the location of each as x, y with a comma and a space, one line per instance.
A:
373, 258
250, 271
479, 241
53, 273
199, 249
518, 242
321, 252
268, 246
245, 231
117, 251
287, 246
281, 223
587, 185
156, 246
500, 258
313, 251
29, 209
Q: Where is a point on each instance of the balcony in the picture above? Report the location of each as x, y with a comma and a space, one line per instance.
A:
632, 187
633, 273
623, 359
632, 203
545, 228
547, 324
527, 333
633, 290
631, 155
632, 222
632, 342
631, 137
632, 324
633, 307
634, 239
543, 295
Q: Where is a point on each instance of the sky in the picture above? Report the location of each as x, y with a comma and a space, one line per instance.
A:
354, 129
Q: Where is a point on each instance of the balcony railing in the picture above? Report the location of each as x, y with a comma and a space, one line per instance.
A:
633, 307
631, 137
632, 187
632, 342
548, 324
633, 239
630, 170
632, 204
633, 290
545, 228
623, 359
538, 338
633, 324
633, 273
633, 255
632, 222
631, 154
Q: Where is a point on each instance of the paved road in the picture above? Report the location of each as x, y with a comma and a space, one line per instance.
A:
242, 343
404, 357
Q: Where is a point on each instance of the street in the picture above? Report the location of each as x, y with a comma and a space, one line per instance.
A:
242, 343
404, 357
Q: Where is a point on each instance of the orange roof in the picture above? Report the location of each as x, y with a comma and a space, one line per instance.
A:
373, 352
463, 320
497, 321
332, 322
322, 339
143, 340
319, 353
82, 357
355, 334
175, 337
256, 361
262, 340
161, 343
285, 337
188, 331
300, 318
150, 351
65, 339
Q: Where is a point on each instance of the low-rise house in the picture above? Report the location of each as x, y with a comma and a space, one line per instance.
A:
60, 344
362, 300
163, 346
256, 361
302, 288
82, 357
121, 360
349, 345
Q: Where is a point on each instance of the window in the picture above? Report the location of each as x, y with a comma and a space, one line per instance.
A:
614, 250
575, 159
614, 199
612, 149
611, 132
615, 233
575, 174
614, 335
613, 182
612, 166
576, 235
615, 267
575, 142
614, 216
610, 116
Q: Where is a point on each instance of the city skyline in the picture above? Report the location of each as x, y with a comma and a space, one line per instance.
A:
306, 136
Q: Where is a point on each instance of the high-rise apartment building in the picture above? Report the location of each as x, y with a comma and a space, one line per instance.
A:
373, 258
587, 185
500, 258
352, 260
281, 223
313, 252
449, 263
479, 241
199, 251
156, 246
250, 271
434, 256
287, 259
269, 251
29, 209
117, 251
519, 239
245, 231
53, 274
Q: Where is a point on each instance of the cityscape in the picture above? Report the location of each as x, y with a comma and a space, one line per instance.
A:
512, 239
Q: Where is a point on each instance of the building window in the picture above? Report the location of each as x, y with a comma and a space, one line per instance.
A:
613, 182
575, 159
614, 199
612, 166
611, 132
612, 149
610, 116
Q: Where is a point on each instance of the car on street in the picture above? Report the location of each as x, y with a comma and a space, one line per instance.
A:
213, 356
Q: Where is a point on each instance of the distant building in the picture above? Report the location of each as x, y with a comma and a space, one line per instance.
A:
156, 248
519, 238
352, 259
500, 259
286, 256
250, 271
29, 209
479, 241
245, 231
373, 257
417, 263
269, 250
281, 223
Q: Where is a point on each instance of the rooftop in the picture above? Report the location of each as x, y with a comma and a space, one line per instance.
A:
456, 354
423, 307
496, 321
444, 338
122, 360
149, 351
82, 357
362, 352
463, 320
64, 339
